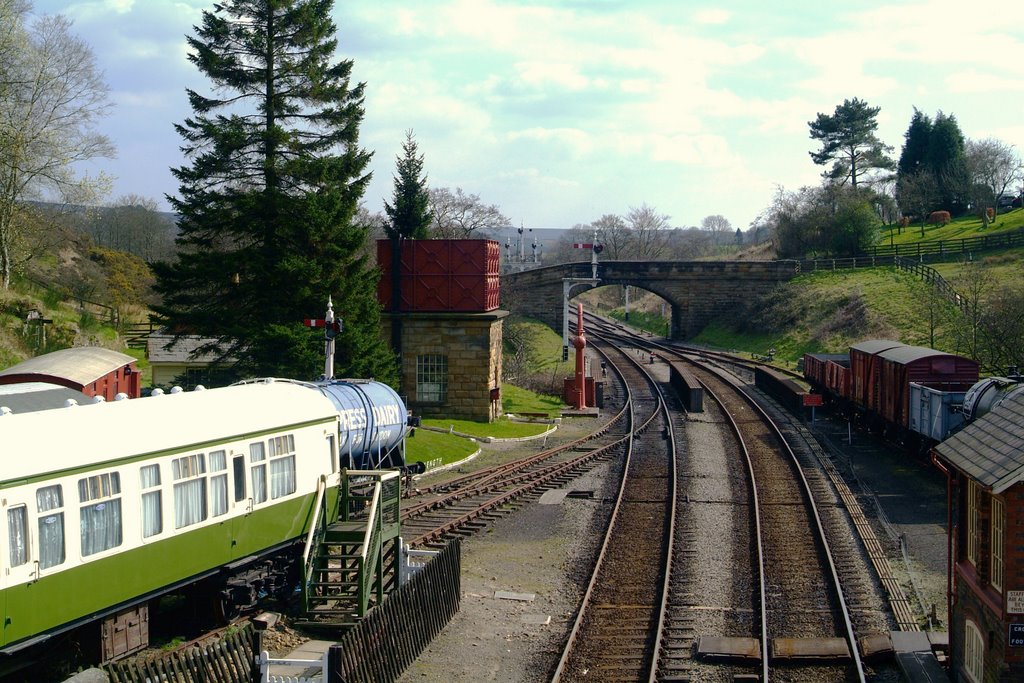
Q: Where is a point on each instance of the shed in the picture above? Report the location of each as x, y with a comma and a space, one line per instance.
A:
92, 370
986, 461
176, 362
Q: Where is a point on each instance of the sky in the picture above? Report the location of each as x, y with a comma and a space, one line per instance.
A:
562, 111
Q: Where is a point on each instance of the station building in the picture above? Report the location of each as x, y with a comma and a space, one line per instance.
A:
985, 465
441, 317
91, 370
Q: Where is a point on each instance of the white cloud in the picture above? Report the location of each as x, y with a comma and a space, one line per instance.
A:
712, 16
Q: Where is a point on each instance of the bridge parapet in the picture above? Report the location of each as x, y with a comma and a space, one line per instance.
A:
697, 291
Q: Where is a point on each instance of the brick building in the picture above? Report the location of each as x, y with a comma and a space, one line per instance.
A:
985, 463
440, 300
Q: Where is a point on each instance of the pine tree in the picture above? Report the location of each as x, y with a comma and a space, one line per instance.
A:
267, 208
848, 142
948, 163
913, 156
409, 213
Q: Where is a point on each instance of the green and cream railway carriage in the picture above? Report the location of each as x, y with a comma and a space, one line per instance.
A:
109, 505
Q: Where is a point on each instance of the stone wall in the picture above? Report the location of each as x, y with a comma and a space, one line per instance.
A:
472, 344
698, 291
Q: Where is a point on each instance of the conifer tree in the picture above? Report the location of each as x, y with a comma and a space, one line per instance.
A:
267, 205
848, 142
409, 213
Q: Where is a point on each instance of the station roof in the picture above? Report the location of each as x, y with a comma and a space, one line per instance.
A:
79, 365
29, 397
990, 450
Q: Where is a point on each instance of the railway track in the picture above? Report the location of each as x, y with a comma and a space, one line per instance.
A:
471, 500
798, 612
614, 637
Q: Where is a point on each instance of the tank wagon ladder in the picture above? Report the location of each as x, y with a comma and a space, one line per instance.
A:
352, 562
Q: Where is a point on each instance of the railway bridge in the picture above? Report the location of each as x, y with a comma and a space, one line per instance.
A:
697, 291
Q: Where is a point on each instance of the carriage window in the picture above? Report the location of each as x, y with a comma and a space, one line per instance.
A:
238, 468
189, 490
152, 501
258, 457
100, 520
282, 466
17, 535
218, 483
50, 504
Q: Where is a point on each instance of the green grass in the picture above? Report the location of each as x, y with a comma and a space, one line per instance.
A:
966, 226
499, 429
437, 449
519, 401
548, 350
826, 312
644, 320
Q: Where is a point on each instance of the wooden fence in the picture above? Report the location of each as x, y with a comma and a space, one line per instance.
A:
950, 248
229, 659
392, 635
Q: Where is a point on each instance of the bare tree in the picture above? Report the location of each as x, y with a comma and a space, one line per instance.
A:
133, 224
994, 164
719, 227
53, 95
458, 215
613, 233
650, 232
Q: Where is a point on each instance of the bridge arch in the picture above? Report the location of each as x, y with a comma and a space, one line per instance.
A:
697, 291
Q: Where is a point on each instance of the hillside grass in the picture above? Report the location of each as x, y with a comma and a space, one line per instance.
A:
959, 228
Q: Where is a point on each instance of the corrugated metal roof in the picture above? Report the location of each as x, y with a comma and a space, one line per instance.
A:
875, 345
182, 350
81, 364
88, 434
908, 354
990, 450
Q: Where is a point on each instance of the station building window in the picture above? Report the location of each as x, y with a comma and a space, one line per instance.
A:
282, 465
100, 514
974, 653
189, 475
432, 378
152, 501
50, 504
973, 495
17, 535
997, 543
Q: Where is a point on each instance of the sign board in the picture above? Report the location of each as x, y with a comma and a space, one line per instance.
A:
1016, 635
811, 400
1015, 602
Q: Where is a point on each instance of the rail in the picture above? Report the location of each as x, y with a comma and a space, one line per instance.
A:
370, 552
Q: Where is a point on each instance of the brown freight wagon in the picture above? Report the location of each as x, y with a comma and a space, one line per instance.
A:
837, 377
814, 366
864, 371
899, 366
